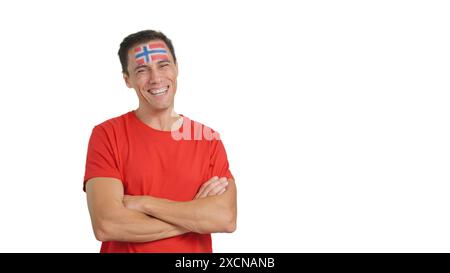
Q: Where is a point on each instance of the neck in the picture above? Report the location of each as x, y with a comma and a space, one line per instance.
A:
160, 120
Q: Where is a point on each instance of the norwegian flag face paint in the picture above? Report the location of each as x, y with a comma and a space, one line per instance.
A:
150, 52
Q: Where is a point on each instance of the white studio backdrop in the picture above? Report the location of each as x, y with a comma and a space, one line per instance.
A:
334, 114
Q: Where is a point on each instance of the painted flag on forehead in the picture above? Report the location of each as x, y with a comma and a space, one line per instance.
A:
150, 52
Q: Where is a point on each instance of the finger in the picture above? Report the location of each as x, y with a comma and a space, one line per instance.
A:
209, 188
218, 192
209, 182
206, 184
219, 187
214, 188
223, 182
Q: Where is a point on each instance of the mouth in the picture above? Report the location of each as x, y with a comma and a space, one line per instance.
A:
159, 91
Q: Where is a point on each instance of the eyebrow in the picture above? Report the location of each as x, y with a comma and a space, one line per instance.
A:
145, 66
140, 66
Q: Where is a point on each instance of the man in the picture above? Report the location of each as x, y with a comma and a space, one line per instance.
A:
155, 180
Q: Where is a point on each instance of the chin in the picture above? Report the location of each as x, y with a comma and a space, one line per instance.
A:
159, 107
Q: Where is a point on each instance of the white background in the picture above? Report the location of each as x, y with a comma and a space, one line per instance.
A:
335, 116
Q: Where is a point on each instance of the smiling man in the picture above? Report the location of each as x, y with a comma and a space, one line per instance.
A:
155, 180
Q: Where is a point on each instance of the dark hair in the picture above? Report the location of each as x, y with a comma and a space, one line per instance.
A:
141, 37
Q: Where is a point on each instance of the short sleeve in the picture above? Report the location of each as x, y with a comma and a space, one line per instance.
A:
101, 160
219, 165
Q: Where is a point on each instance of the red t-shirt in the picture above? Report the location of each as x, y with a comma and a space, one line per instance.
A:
164, 164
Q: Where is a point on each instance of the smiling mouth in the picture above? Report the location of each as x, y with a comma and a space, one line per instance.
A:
159, 91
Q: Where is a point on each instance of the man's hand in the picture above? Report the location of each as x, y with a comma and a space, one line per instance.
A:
214, 186
112, 221
212, 210
134, 202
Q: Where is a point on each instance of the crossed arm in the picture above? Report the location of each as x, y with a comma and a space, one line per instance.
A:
119, 217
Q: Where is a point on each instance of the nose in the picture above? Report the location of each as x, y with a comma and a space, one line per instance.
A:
155, 76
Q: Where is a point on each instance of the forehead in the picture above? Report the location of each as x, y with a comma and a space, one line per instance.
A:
152, 43
149, 50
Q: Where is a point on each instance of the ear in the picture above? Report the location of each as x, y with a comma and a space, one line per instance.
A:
126, 78
176, 68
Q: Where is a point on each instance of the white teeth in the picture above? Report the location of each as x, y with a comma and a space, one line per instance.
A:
158, 92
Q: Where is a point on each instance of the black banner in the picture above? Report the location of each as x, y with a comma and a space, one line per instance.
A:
228, 262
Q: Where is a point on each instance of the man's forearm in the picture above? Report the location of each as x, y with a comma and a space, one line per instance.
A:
112, 221
132, 226
205, 215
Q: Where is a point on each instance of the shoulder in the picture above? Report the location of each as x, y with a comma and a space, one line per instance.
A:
114, 123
